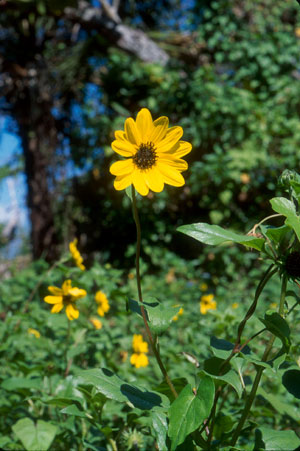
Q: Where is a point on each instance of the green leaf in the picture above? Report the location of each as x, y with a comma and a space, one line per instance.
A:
158, 314
275, 234
291, 381
160, 428
278, 326
73, 410
278, 440
222, 348
113, 387
282, 407
189, 410
19, 383
34, 436
212, 367
286, 208
214, 235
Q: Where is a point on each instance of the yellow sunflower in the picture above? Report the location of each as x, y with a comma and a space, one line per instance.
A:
153, 154
66, 296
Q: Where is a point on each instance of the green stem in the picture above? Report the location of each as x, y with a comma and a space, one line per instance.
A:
237, 348
68, 364
259, 371
139, 288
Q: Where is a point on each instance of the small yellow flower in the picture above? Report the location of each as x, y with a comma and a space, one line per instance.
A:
102, 301
175, 318
76, 254
273, 305
235, 305
153, 153
96, 323
66, 296
34, 332
207, 303
140, 348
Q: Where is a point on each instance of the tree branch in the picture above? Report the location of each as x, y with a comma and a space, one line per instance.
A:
133, 41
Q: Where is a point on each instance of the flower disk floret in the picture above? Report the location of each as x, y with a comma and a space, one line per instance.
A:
66, 296
154, 154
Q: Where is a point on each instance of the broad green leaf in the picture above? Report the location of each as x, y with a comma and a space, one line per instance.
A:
275, 234
160, 428
189, 410
279, 440
278, 326
158, 314
286, 208
18, 383
222, 348
291, 381
34, 436
113, 387
282, 407
161, 316
214, 235
213, 366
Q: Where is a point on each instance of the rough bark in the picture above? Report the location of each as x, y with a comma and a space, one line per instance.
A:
39, 139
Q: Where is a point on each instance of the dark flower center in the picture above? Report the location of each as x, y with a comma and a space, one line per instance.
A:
292, 264
145, 157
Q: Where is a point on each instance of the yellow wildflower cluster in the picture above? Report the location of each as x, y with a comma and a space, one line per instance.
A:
207, 303
175, 318
140, 348
102, 301
76, 254
66, 296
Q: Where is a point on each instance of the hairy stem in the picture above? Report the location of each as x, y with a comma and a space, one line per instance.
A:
139, 288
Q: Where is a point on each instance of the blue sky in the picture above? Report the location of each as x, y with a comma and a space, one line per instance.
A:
12, 189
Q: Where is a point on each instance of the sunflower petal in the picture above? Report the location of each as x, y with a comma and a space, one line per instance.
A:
173, 135
180, 165
55, 290
66, 286
159, 130
77, 292
72, 312
120, 134
124, 148
170, 175
139, 183
144, 124
57, 308
122, 181
122, 167
183, 148
53, 299
154, 180
132, 133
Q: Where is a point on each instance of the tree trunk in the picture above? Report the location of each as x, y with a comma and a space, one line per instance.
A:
39, 140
